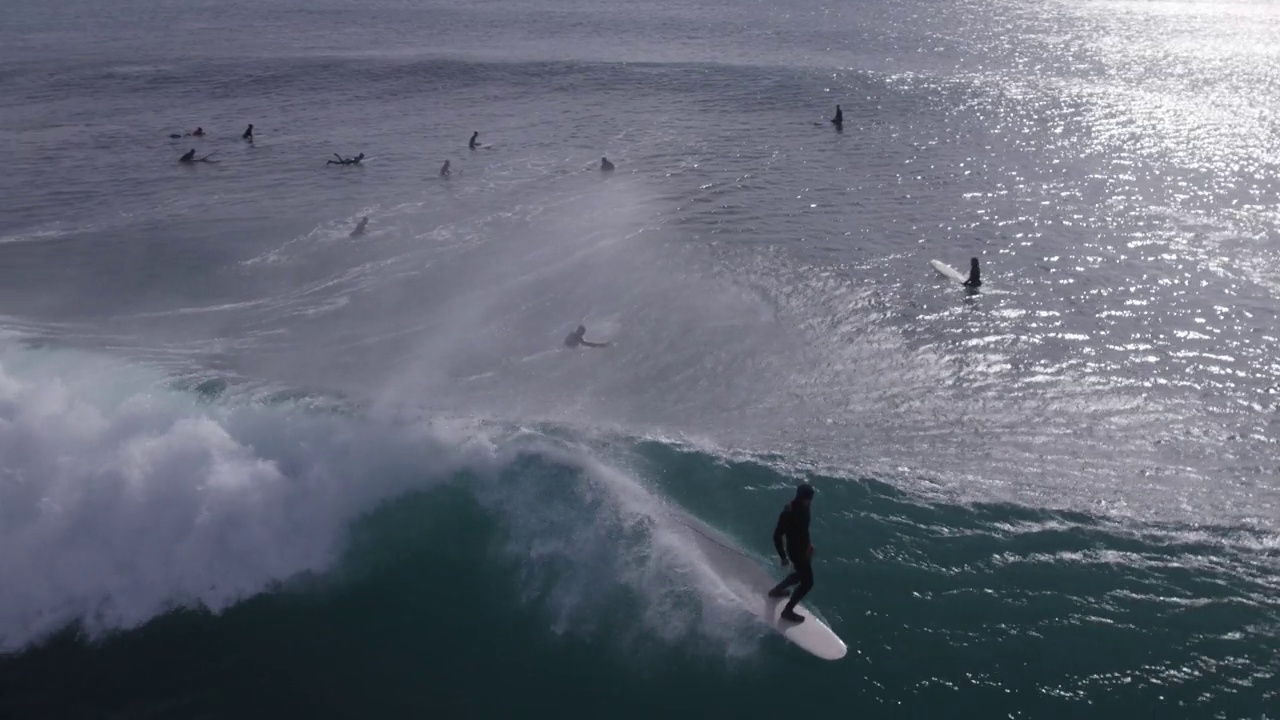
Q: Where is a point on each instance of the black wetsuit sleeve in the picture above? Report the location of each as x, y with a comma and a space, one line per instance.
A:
780, 530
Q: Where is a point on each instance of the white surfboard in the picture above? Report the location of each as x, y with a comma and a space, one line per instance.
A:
750, 583
947, 271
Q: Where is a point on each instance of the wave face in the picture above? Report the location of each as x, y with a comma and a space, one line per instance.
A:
190, 558
253, 466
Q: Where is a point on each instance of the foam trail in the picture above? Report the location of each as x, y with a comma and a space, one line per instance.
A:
580, 545
120, 499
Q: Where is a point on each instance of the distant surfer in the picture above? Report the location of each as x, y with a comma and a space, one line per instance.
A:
605, 165
975, 275
248, 133
444, 170
345, 161
359, 230
793, 526
475, 142
199, 132
578, 338
838, 120
189, 157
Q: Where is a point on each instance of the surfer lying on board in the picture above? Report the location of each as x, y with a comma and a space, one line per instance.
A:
345, 161
975, 275
793, 525
190, 157
577, 338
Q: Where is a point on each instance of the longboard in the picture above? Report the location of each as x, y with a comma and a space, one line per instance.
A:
947, 271
750, 584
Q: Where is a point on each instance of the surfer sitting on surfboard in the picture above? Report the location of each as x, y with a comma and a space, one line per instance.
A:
975, 275
577, 338
793, 524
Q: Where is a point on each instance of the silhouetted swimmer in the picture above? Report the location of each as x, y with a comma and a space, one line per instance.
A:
975, 275
444, 170
359, 230
577, 338
838, 120
475, 143
199, 132
248, 133
605, 165
345, 161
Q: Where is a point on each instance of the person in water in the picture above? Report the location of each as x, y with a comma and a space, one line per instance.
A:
444, 170
199, 132
793, 527
248, 133
190, 157
359, 230
475, 142
605, 165
345, 161
975, 275
577, 338
838, 120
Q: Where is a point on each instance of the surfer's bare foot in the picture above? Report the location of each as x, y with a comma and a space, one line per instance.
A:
791, 616
779, 593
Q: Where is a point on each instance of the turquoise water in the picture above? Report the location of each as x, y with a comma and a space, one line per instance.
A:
253, 467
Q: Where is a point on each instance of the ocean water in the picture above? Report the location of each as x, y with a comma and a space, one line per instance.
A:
252, 467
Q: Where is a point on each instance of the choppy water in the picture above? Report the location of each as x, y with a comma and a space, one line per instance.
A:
253, 467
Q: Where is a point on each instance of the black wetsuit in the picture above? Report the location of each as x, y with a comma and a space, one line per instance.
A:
793, 524
975, 277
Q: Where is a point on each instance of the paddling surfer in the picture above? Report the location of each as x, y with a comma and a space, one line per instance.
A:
577, 338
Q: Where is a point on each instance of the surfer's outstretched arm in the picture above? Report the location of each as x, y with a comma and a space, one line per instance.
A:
594, 344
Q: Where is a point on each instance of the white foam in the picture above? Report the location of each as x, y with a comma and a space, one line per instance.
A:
120, 498
582, 541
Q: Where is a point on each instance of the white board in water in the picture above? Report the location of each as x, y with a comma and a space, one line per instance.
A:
947, 271
750, 582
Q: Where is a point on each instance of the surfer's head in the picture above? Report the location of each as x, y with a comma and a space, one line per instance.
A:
804, 492
582, 330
